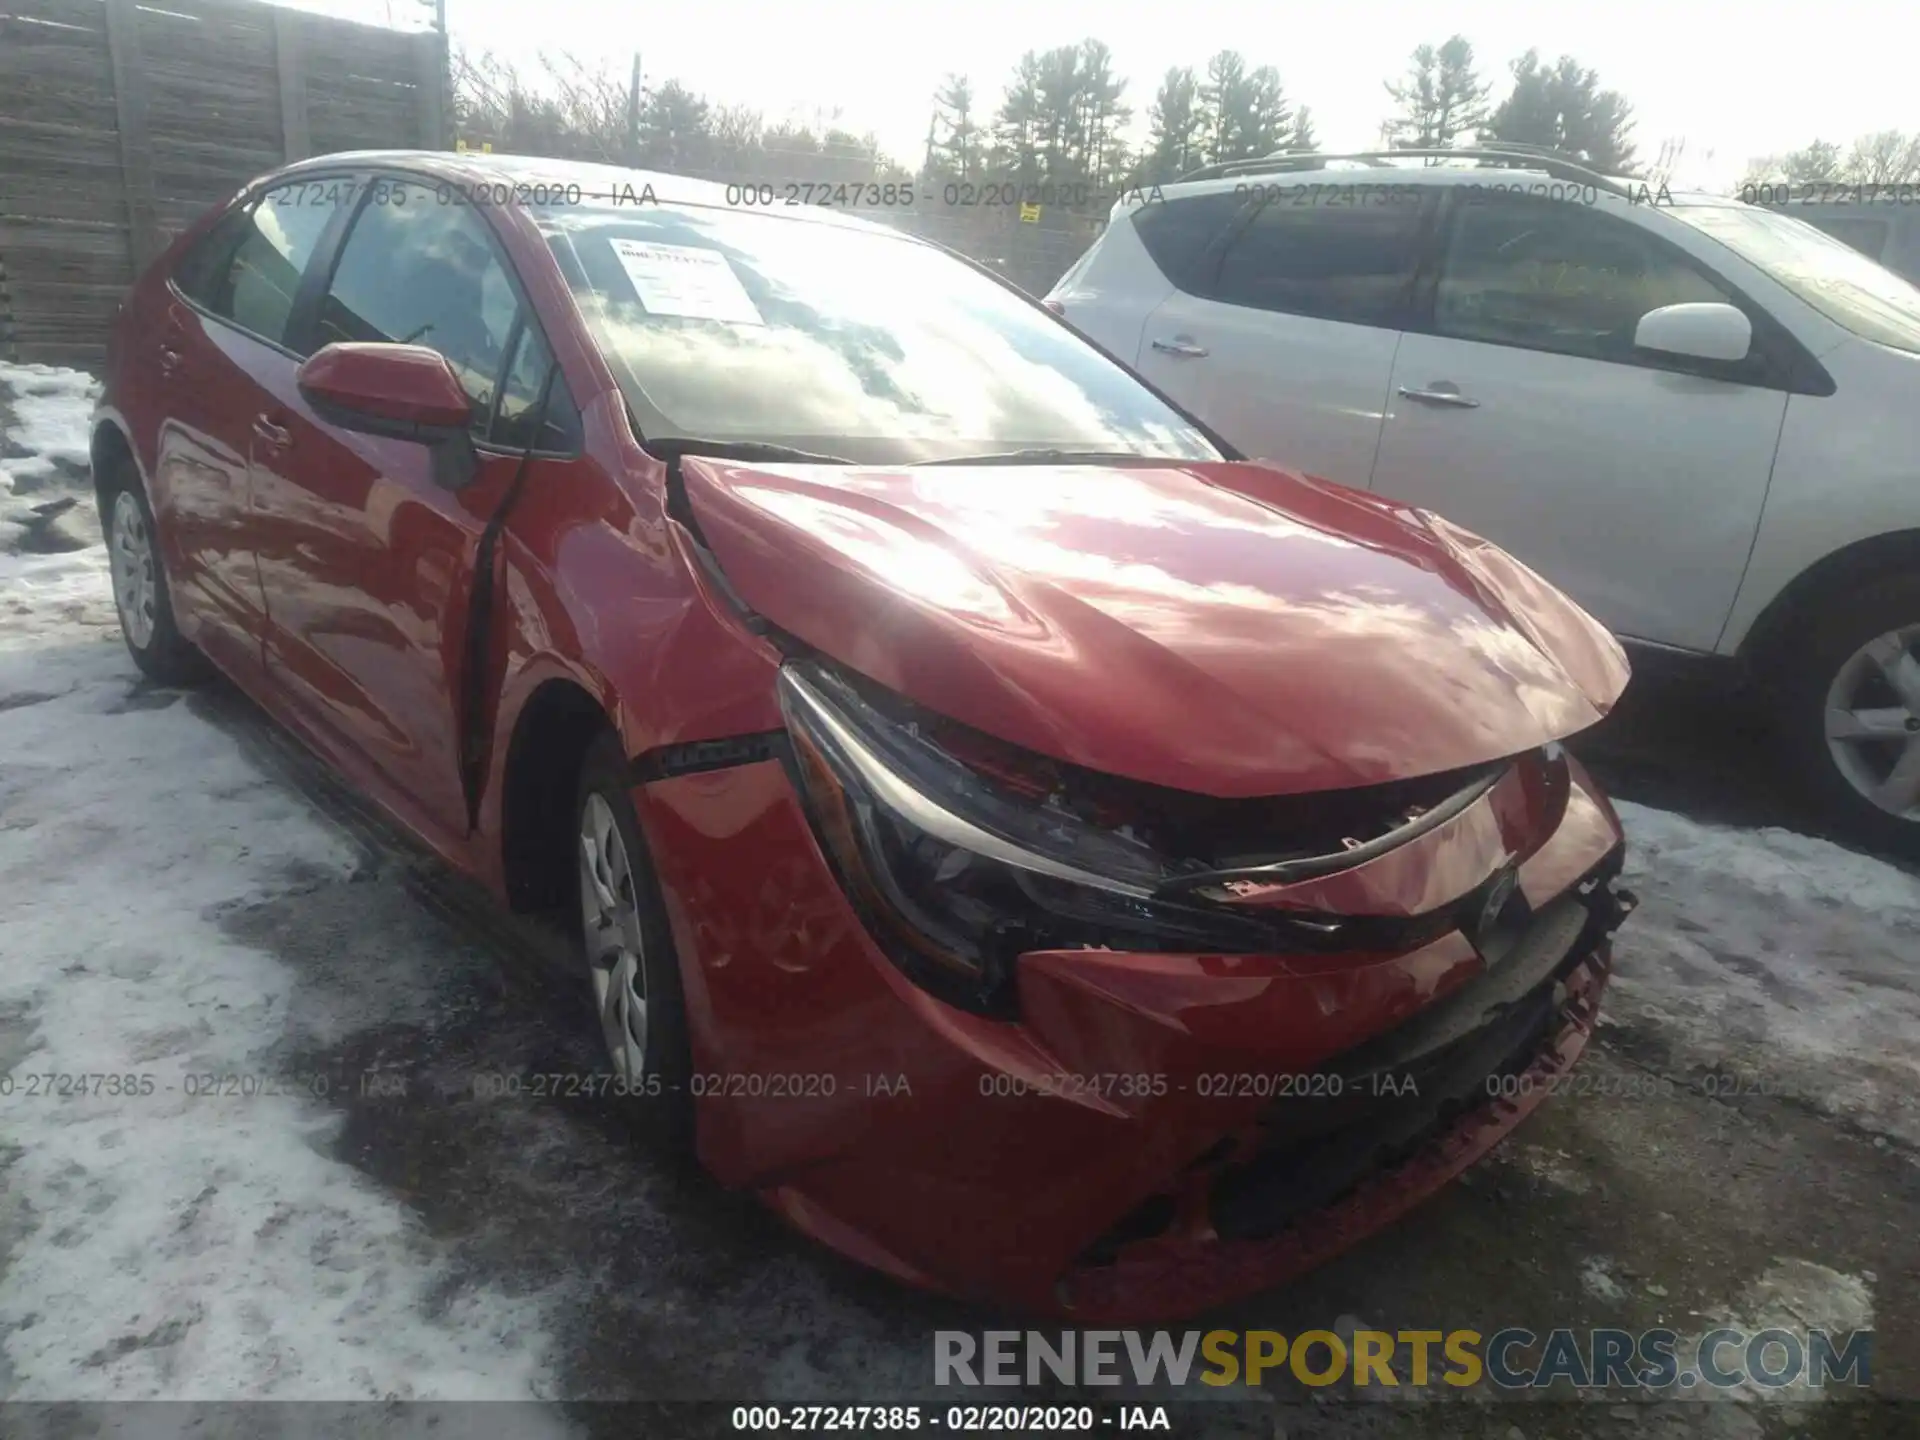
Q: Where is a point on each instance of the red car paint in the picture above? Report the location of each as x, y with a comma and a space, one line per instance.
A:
1226, 629
395, 383
1197, 598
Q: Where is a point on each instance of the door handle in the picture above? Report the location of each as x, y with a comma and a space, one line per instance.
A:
268, 433
1184, 348
1441, 392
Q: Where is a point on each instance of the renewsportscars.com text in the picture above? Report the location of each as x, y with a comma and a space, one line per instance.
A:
1512, 1358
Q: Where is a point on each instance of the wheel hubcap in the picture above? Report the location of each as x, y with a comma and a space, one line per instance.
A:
1873, 721
132, 565
610, 920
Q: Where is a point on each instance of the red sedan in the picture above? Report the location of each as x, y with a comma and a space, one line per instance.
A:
1046, 856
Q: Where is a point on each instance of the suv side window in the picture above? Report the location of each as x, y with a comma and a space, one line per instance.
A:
247, 269
420, 269
1181, 235
1352, 263
1554, 275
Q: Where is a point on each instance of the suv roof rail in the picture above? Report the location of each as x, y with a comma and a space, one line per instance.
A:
1532, 157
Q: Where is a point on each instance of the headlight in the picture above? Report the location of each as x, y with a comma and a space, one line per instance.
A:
956, 875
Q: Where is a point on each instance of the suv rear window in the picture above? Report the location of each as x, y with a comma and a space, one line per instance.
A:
1350, 263
1180, 235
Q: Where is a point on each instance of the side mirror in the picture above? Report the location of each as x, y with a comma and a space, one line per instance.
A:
405, 392
1700, 330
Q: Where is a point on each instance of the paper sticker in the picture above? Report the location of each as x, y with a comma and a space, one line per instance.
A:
686, 280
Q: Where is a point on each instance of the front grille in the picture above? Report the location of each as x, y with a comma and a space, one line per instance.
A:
1304, 1164
1396, 1092
1386, 1100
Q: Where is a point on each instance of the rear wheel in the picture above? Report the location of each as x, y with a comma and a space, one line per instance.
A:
1853, 711
140, 593
629, 950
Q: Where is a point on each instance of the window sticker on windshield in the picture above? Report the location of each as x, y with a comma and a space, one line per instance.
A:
686, 280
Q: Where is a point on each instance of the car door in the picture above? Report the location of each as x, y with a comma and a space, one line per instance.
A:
226, 315
366, 562
1522, 410
1282, 337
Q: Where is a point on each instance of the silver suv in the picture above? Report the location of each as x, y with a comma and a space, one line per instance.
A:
1699, 417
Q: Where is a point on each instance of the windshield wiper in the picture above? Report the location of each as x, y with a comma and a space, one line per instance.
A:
1048, 456
672, 447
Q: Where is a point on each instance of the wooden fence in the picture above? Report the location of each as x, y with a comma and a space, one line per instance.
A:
122, 121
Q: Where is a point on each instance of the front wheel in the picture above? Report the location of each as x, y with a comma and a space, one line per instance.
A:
629, 951
1853, 712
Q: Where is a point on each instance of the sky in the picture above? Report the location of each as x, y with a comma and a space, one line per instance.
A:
1733, 80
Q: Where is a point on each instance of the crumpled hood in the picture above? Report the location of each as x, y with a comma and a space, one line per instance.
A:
1231, 629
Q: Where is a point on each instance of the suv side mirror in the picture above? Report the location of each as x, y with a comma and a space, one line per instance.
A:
1700, 330
405, 392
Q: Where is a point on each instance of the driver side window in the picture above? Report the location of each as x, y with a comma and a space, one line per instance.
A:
418, 269
1556, 275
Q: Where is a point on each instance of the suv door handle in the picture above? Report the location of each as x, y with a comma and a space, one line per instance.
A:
1184, 348
276, 436
1441, 392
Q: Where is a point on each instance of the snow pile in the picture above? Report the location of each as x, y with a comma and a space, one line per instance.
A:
158, 1241
44, 423
1765, 960
1796, 1296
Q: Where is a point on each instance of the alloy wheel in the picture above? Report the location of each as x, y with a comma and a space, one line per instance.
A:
610, 921
1873, 721
130, 557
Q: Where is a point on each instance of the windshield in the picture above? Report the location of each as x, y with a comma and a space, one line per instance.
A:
855, 343
1830, 275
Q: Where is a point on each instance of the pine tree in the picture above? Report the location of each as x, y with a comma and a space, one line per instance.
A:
1441, 99
1176, 138
957, 142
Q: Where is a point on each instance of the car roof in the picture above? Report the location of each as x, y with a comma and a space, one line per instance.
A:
1836, 209
476, 167
1362, 175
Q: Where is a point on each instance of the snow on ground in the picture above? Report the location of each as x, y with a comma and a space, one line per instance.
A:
169, 1243
1763, 958
43, 454
157, 1241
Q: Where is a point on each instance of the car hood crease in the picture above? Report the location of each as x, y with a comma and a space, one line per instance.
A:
1229, 629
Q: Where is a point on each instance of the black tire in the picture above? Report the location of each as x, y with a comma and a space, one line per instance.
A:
1811, 663
167, 657
659, 1102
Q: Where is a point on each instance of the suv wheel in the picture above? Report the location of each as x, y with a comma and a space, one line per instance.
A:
629, 950
1854, 711
140, 593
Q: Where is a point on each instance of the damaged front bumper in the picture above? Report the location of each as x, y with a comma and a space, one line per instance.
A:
1096, 1155
1394, 1121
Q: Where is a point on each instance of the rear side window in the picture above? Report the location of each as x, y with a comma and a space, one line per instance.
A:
205, 263
418, 269
1351, 263
1182, 236
248, 267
